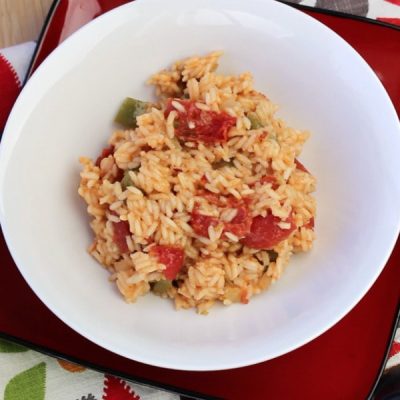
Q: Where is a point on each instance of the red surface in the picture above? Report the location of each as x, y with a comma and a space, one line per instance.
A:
394, 21
115, 389
10, 88
397, 2
341, 364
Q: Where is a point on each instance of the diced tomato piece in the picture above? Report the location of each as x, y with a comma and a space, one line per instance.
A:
241, 224
200, 223
265, 232
171, 256
270, 179
211, 197
310, 224
203, 180
233, 202
197, 125
300, 166
107, 151
120, 174
121, 231
223, 201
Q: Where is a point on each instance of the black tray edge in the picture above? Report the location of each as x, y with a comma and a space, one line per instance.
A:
40, 39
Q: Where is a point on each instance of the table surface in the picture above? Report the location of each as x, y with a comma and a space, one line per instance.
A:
21, 20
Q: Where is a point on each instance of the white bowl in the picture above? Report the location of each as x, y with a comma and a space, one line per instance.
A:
321, 84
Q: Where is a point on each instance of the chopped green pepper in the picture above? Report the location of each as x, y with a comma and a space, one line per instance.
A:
254, 120
222, 163
162, 286
129, 110
126, 180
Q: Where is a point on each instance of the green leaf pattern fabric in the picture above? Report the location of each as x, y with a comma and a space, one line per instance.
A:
29, 384
9, 347
29, 375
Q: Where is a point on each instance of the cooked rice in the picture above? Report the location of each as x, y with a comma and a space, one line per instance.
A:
167, 173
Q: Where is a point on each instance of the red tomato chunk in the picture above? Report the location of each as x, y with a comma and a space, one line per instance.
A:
171, 256
211, 197
107, 151
200, 223
121, 231
240, 225
265, 232
195, 125
270, 179
310, 224
120, 175
300, 166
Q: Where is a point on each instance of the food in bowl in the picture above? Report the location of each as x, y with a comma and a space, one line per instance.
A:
201, 197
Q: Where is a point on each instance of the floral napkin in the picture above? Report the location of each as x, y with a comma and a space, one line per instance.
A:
28, 375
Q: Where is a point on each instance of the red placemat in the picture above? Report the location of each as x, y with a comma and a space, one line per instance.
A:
342, 363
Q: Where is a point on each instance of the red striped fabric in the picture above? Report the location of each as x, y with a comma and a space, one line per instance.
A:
394, 349
393, 21
397, 2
